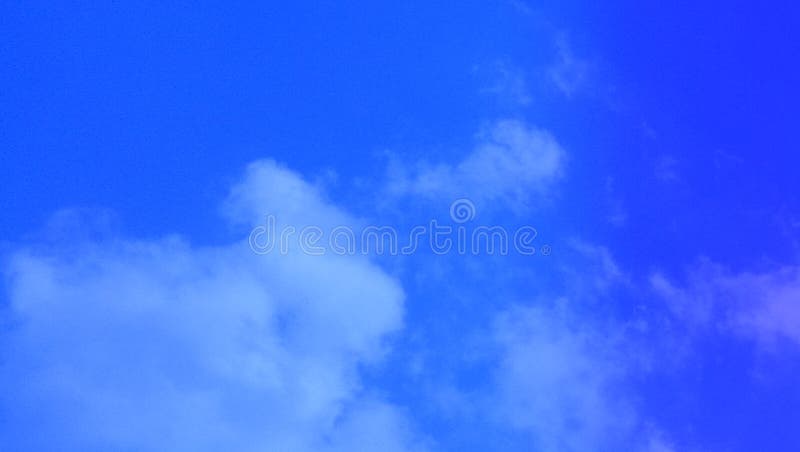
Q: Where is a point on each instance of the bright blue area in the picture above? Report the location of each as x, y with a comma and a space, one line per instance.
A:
130, 106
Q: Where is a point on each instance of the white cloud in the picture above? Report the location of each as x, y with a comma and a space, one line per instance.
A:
374, 427
521, 6
512, 164
269, 188
550, 370
762, 306
567, 367
569, 72
557, 379
505, 82
598, 271
160, 345
566, 381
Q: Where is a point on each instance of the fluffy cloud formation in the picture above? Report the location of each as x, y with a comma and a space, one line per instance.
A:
130, 345
512, 164
762, 306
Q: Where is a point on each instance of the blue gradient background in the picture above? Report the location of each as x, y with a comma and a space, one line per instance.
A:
679, 124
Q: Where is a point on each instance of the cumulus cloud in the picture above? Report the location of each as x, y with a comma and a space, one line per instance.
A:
764, 306
512, 164
269, 188
154, 345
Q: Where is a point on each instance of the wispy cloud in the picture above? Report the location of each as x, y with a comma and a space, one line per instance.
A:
556, 381
568, 72
505, 82
762, 306
566, 373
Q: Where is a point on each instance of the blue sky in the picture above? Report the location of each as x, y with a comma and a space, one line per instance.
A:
649, 145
